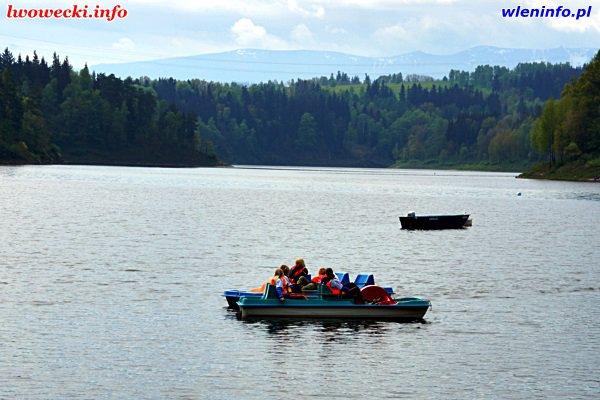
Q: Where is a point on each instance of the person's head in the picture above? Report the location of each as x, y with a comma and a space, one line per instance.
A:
285, 269
300, 263
329, 273
322, 271
278, 273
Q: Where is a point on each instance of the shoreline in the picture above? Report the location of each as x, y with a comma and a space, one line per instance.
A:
578, 171
534, 173
275, 165
552, 178
109, 164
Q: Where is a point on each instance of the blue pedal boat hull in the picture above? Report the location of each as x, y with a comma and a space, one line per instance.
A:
407, 309
233, 296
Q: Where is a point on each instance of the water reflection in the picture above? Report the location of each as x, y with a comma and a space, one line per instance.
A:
332, 329
590, 196
10, 171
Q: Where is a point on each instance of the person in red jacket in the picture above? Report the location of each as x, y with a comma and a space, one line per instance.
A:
318, 278
298, 271
298, 276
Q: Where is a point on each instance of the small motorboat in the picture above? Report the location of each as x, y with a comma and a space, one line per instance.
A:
433, 222
234, 295
379, 305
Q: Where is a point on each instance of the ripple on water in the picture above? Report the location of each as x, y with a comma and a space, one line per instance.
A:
111, 282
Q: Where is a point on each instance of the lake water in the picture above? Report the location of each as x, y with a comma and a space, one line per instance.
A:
110, 283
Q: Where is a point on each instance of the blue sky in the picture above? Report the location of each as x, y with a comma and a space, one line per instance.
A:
167, 28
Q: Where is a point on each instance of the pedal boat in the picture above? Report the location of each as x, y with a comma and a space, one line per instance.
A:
378, 306
234, 295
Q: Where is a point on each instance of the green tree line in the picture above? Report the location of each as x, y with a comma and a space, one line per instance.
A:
570, 126
484, 116
51, 114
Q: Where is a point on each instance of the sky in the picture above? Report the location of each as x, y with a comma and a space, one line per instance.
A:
169, 28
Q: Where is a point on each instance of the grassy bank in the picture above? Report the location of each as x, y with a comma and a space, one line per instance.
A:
580, 170
481, 166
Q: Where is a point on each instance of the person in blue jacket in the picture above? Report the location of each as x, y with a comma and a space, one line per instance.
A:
281, 284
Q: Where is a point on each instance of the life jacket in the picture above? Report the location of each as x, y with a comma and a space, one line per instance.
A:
334, 291
287, 285
317, 279
297, 272
259, 289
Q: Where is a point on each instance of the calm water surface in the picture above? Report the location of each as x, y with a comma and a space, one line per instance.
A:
110, 282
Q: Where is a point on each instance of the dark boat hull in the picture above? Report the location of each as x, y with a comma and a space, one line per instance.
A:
434, 222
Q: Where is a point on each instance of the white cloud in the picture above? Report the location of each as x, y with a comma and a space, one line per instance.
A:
302, 34
241, 6
387, 4
392, 32
319, 12
310, 10
247, 33
567, 24
408, 30
124, 44
182, 45
305, 8
177, 42
335, 30
437, 33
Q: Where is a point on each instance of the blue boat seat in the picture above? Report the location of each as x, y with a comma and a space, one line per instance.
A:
270, 292
364, 280
344, 277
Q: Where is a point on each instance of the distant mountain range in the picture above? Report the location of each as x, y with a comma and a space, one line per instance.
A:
250, 65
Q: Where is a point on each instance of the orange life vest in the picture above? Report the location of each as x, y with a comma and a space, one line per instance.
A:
296, 272
334, 291
285, 283
318, 278
259, 289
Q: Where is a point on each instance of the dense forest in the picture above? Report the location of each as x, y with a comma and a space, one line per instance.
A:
568, 130
51, 114
479, 117
484, 119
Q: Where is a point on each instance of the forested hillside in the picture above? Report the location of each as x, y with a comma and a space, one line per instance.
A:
568, 131
51, 114
482, 117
